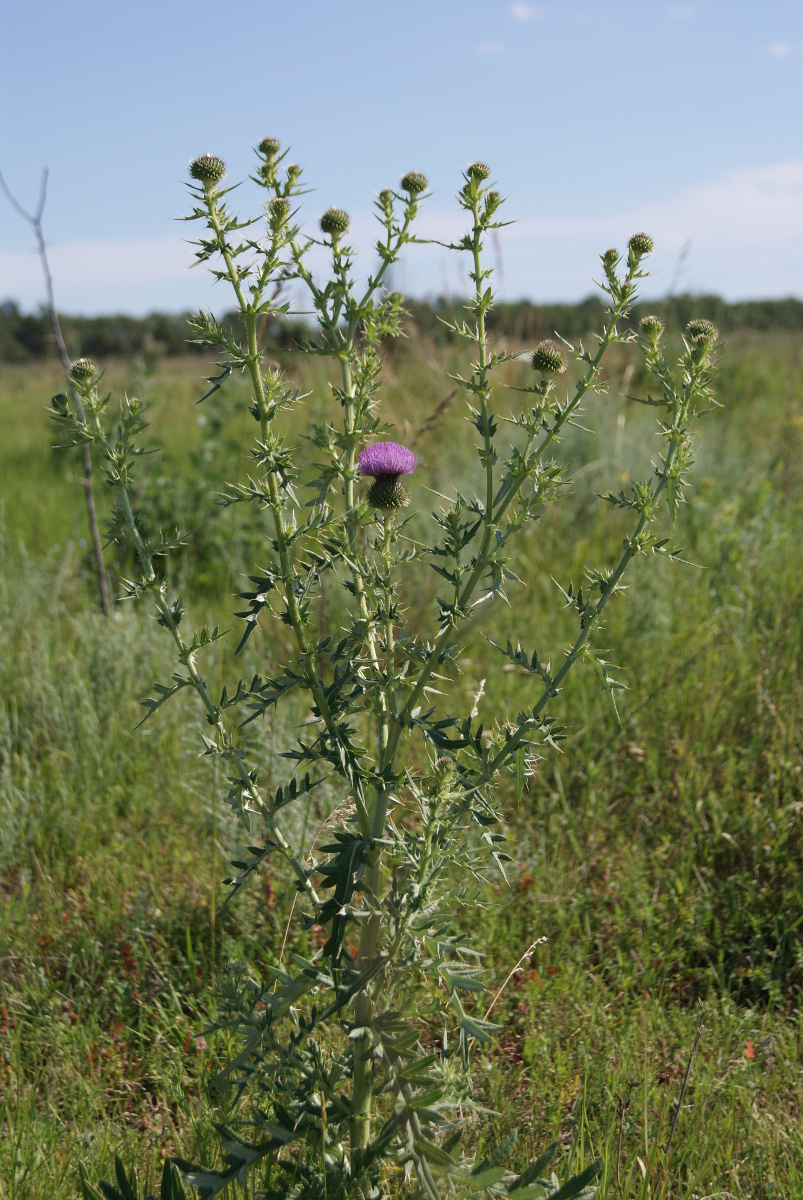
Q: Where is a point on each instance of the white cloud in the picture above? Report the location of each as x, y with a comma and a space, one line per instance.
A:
111, 276
744, 230
489, 49
527, 12
782, 49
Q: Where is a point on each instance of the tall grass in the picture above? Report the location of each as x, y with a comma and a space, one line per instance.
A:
683, 824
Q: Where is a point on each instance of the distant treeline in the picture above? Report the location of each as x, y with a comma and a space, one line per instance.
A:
25, 337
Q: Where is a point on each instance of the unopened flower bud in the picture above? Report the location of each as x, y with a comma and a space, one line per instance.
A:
443, 772
639, 245
278, 211
548, 359
334, 221
702, 332
208, 170
414, 183
83, 370
478, 171
270, 147
610, 258
652, 327
293, 172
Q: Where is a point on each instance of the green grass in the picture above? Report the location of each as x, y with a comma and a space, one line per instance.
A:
661, 858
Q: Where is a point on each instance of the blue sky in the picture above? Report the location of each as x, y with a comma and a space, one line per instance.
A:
597, 118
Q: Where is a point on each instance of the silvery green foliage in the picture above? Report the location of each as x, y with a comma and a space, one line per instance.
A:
335, 1086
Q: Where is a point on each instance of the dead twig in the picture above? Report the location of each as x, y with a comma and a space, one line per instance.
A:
34, 219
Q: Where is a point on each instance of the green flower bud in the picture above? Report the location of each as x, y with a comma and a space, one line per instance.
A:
478, 171
702, 332
293, 172
652, 327
492, 202
639, 245
443, 773
334, 221
208, 170
278, 211
414, 183
548, 359
83, 370
388, 493
609, 259
270, 147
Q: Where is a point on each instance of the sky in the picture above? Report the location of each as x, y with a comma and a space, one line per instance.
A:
597, 117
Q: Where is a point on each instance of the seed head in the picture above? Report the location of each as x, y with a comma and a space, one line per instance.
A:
208, 170
83, 370
334, 221
639, 245
388, 494
270, 147
414, 183
651, 326
702, 332
548, 359
387, 458
478, 171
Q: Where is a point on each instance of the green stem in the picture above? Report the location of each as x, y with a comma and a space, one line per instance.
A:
187, 657
280, 531
449, 632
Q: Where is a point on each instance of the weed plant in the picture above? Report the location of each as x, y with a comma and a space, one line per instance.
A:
348, 1070
621, 861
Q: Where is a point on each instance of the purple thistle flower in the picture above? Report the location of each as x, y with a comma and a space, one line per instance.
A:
387, 458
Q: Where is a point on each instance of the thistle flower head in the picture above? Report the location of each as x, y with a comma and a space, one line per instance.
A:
478, 171
492, 202
278, 211
270, 147
548, 359
610, 258
208, 170
387, 458
640, 244
334, 221
83, 370
651, 326
414, 183
702, 332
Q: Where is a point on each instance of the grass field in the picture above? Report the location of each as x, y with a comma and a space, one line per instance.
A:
660, 858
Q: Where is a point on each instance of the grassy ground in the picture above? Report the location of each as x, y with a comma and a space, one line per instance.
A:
661, 859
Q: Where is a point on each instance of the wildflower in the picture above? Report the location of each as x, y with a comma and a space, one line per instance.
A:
414, 182
270, 147
208, 170
639, 245
83, 370
652, 327
548, 359
334, 221
386, 461
478, 171
702, 332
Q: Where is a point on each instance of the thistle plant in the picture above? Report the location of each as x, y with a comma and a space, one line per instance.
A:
338, 1087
